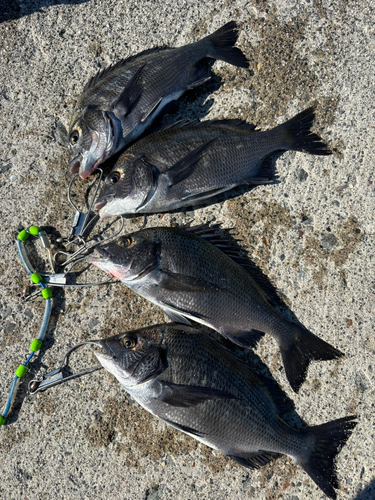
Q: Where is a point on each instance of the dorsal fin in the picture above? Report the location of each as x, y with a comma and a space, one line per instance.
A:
104, 72
232, 122
196, 123
178, 124
229, 246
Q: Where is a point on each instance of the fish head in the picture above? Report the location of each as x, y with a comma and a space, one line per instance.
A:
134, 357
91, 140
129, 257
128, 187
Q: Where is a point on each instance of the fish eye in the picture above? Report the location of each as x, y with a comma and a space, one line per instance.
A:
113, 178
74, 136
129, 342
124, 242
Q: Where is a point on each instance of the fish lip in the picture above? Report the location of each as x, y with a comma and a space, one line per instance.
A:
101, 252
101, 356
100, 204
105, 347
74, 165
84, 172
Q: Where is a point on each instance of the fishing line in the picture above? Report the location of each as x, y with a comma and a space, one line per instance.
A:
44, 282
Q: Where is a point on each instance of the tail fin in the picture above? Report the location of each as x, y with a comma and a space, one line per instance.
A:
221, 45
319, 464
302, 348
298, 136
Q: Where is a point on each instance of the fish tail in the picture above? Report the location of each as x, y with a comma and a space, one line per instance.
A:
297, 134
326, 441
221, 45
301, 348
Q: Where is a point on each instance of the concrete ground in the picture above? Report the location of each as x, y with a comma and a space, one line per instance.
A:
312, 234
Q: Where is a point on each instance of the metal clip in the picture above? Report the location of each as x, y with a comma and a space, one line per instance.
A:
57, 376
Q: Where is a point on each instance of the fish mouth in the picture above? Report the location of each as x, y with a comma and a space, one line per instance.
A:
85, 172
74, 166
109, 362
100, 204
105, 360
106, 202
100, 257
101, 252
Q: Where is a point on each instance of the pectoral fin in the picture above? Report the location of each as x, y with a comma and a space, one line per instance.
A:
174, 282
184, 428
151, 109
175, 316
129, 96
186, 166
188, 395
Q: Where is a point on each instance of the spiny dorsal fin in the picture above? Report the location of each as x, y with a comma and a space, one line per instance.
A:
178, 124
104, 72
232, 122
196, 123
229, 247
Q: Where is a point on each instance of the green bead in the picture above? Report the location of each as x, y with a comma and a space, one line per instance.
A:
2, 420
35, 345
46, 293
21, 371
36, 278
34, 230
23, 235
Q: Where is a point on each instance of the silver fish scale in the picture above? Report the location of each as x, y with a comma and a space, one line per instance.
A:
166, 72
232, 303
233, 426
233, 159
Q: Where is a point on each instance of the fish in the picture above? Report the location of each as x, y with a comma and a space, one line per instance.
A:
121, 101
193, 273
190, 381
189, 162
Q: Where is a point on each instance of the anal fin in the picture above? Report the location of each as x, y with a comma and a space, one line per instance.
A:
247, 339
256, 459
199, 76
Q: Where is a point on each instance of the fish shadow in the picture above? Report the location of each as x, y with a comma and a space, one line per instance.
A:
368, 493
11, 9
194, 104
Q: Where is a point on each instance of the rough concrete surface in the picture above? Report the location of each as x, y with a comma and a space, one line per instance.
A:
312, 234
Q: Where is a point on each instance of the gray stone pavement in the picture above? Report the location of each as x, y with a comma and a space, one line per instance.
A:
312, 234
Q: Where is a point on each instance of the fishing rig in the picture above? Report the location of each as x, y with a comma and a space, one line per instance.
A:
76, 240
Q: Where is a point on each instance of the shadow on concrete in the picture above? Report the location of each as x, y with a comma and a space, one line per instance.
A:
14, 9
368, 493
